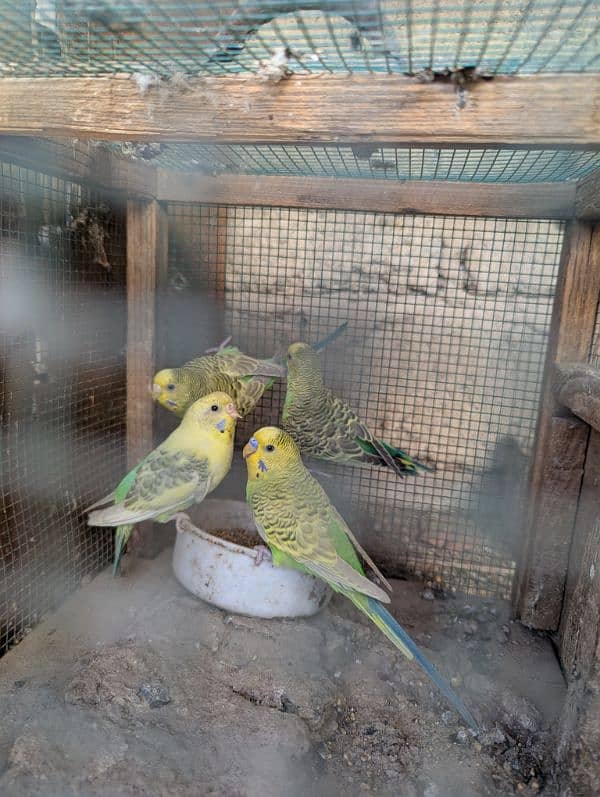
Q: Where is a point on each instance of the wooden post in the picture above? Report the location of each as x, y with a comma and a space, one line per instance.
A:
560, 450
147, 242
578, 746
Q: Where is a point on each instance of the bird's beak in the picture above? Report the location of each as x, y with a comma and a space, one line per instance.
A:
156, 390
230, 409
250, 448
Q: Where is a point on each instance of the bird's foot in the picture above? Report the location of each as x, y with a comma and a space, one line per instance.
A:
217, 349
182, 522
262, 553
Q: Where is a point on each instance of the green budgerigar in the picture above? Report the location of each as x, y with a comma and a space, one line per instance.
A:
304, 531
325, 427
181, 471
243, 377
229, 370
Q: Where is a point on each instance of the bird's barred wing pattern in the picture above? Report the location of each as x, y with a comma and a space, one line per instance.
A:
298, 525
165, 473
237, 364
328, 429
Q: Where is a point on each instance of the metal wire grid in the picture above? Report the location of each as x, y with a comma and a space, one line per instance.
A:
238, 36
62, 387
448, 320
487, 164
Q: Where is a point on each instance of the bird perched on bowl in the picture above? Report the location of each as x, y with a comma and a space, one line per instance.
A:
325, 427
181, 471
303, 530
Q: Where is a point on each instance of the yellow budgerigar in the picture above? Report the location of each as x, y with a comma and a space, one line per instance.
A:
181, 471
304, 531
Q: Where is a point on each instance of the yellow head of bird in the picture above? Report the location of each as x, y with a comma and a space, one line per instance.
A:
170, 391
270, 450
215, 412
302, 359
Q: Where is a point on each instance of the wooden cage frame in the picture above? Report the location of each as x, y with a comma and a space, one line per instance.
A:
558, 583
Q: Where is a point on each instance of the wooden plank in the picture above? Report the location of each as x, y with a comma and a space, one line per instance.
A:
578, 749
542, 571
577, 387
530, 200
587, 197
81, 162
147, 237
545, 110
580, 620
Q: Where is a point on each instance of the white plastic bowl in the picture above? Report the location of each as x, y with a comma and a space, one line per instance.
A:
225, 574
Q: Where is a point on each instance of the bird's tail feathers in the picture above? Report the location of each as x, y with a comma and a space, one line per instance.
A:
122, 535
398, 636
328, 339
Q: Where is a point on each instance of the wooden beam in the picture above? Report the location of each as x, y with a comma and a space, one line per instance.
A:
577, 386
527, 200
587, 197
147, 242
542, 571
81, 162
578, 735
548, 111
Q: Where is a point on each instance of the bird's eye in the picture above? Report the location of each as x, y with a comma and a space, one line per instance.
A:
270, 448
215, 407
170, 386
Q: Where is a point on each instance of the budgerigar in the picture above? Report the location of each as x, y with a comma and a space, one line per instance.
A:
304, 531
181, 471
243, 377
325, 427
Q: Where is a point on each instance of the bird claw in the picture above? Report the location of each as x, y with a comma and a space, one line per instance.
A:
182, 522
262, 553
217, 349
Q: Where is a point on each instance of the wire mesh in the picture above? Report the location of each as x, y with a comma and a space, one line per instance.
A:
162, 37
448, 321
473, 164
62, 386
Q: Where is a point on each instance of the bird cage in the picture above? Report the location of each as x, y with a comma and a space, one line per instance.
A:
173, 173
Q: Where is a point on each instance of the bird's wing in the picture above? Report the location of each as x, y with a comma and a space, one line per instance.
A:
304, 532
237, 364
120, 492
166, 482
362, 551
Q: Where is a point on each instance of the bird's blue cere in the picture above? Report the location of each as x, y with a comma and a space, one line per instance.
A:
253, 443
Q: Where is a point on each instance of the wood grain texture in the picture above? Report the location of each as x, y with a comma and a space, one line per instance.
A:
587, 197
531, 200
147, 241
578, 749
577, 387
81, 162
538, 587
370, 108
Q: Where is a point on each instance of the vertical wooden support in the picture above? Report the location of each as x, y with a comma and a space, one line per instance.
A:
578, 751
559, 453
147, 243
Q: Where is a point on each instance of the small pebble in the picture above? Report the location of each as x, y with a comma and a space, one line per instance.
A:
461, 736
447, 717
427, 594
154, 694
534, 785
471, 627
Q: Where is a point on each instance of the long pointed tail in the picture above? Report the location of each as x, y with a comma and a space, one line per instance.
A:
324, 342
122, 535
398, 636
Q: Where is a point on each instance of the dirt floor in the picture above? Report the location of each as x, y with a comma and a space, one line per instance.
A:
134, 687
